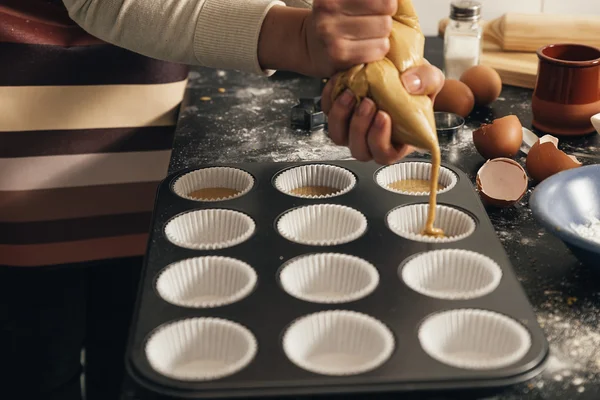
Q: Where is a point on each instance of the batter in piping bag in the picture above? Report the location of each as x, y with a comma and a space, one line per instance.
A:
412, 115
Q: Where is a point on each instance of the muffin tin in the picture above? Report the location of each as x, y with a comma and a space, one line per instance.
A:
284, 290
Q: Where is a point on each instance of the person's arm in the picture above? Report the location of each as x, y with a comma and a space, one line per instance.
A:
212, 33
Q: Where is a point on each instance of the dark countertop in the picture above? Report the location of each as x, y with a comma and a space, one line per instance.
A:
249, 122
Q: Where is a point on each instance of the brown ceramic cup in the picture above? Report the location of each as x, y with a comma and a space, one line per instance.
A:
567, 92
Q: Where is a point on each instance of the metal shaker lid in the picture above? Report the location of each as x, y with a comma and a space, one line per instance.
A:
465, 10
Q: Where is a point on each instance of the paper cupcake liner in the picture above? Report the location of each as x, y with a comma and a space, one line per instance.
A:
338, 343
322, 225
452, 274
200, 349
474, 339
409, 221
414, 170
214, 178
338, 179
210, 229
329, 278
206, 282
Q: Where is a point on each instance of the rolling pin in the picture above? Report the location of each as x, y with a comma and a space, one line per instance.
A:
529, 32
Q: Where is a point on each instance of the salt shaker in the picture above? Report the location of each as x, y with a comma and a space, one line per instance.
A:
462, 40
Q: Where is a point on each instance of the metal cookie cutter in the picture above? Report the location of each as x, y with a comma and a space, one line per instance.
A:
308, 114
448, 123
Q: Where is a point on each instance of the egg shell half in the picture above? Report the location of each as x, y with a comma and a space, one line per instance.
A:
502, 182
545, 159
484, 82
502, 138
455, 97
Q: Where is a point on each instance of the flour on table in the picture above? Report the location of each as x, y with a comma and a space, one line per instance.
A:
250, 123
253, 92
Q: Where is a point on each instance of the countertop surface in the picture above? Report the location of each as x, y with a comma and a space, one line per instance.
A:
236, 117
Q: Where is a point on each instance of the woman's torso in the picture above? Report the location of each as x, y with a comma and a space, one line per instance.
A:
86, 130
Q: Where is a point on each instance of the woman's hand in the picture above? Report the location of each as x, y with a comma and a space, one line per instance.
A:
368, 131
342, 33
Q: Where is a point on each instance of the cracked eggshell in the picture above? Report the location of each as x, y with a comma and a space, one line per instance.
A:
545, 159
502, 138
502, 182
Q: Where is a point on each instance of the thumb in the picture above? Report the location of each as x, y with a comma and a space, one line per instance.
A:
423, 80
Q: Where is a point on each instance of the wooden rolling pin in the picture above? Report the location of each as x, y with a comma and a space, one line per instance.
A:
529, 32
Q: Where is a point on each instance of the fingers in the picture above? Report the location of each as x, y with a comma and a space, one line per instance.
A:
359, 127
366, 131
348, 53
362, 27
423, 80
379, 140
352, 32
339, 118
357, 7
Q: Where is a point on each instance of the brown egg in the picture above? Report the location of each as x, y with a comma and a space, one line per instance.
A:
501, 182
545, 159
502, 138
484, 82
455, 97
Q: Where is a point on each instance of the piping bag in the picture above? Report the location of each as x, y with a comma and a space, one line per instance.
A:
413, 121
412, 116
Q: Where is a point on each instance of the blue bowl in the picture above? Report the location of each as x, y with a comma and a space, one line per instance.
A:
570, 197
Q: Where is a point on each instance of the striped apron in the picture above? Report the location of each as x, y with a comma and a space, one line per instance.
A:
86, 130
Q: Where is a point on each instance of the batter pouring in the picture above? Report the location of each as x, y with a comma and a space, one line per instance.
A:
412, 115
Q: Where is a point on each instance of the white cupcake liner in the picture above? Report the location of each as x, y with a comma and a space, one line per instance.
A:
414, 170
210, 229
315, 175
409, 221
200, 349
338, 343
322, 225
206, 282
452, 274
329, 278
214, 178
474, 339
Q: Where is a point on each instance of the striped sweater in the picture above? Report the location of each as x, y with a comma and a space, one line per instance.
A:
86, 130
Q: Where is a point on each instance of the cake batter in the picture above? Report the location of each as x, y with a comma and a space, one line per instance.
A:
214, 193
411, 185
314, 191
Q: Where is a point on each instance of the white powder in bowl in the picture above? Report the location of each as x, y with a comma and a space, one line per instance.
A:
591, 230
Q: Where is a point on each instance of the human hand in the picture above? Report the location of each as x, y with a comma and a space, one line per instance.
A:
340, 34
368, 131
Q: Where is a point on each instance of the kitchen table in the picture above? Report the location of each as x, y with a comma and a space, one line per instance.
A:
236, 117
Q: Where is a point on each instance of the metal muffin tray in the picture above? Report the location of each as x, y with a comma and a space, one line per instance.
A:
393, 308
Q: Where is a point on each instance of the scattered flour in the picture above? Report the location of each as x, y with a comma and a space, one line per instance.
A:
253, 92
575, 341
456, 146
589, 231
253, 126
